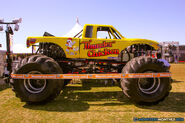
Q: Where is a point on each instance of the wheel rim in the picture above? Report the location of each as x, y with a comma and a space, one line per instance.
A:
35, 85
149, 85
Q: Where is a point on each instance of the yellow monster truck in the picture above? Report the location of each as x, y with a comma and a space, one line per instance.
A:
94, 49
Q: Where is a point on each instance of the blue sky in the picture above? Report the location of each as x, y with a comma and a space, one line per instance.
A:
160, 20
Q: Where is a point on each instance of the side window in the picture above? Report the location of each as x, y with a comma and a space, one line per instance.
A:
104, 33
89, 32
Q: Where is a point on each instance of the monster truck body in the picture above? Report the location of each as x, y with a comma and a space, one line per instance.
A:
88, 45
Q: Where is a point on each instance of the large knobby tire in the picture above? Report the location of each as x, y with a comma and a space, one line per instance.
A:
146, 91
56, 51
52, 50
37, 91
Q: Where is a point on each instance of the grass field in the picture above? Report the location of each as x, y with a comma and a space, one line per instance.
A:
94, 102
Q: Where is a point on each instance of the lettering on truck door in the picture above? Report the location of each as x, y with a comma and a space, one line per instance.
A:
101, 47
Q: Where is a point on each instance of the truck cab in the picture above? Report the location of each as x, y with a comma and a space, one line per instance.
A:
99, 42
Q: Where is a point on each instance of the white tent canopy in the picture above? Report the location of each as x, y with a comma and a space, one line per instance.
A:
75, 30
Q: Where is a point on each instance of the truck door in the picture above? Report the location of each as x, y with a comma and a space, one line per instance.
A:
99, 43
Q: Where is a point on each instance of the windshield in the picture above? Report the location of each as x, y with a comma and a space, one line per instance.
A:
116, 34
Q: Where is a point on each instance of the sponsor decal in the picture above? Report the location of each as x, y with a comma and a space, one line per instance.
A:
69, 43
112, 57
105, 52
71, 49
90, 76
88, 45
94, 53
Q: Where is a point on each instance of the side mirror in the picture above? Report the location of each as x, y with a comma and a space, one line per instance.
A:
1, 28
16, 28
17, 20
